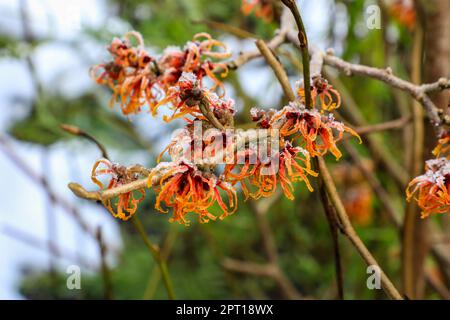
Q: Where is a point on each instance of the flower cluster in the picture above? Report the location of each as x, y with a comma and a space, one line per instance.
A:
187, 97
136, 78
289, 165
316, 132
190, 182
126, 204
432, 188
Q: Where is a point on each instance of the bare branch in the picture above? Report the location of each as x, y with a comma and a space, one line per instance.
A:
277, 68
350, 232
303, 45
256, 269
418, 92
384, 126
275, 42
238, 32
74, 130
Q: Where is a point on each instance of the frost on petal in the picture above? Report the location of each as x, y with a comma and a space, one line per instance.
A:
432, 189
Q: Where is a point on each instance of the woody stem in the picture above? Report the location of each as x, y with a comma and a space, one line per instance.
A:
206, 111
154, 250
303, 39
326, 179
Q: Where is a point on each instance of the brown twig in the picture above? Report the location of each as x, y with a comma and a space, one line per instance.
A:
385, 199
378, 150
238, 32
384, 126
413, 235
271, 252
437, 285
277, 68
206, 111
350, 232
331, 191
441, 255
275, 42
303, 45
245, 57
334, 225
329, 212
103, 195
418, 92
256, 269
266, 232
74, 130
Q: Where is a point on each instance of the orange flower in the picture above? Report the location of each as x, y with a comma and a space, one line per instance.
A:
404, 12
317, 132
129, 75
126, 204
291, 164
357, 201
187, 95
263, 9
329, 98
443, 146
433, 188
185, 188
196, 58
137, 79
